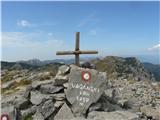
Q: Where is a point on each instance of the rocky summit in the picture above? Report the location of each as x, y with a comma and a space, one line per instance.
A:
117, 89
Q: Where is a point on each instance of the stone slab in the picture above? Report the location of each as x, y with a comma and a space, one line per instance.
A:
85, 87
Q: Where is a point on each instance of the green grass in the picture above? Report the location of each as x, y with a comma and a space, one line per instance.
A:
28, 117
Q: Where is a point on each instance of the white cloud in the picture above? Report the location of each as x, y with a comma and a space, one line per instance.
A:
23, 23
26, 23
87, 20
93, 32
21, 46
50, 34
155, 47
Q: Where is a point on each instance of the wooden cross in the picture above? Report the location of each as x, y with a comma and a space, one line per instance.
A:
77, 51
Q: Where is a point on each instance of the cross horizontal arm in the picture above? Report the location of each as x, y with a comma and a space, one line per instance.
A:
88, 52
76, 52
65, 53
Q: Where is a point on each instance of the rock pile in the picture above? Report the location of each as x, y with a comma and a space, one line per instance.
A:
56, 98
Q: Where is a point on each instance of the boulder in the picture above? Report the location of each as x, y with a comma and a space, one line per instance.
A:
95, 106
108, 103
16, 100
60, 80
58, 104
36, 84
63, 70
26, 92
62, 77
21, 102
47, 108
29, 111
38, 116
37, 97
59, 96
49, 88
64, 113
65, 85
85, 87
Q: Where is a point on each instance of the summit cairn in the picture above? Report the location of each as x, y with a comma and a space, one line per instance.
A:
85, 87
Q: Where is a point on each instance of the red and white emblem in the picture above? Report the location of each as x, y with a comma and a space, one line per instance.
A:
86, 76
4, 117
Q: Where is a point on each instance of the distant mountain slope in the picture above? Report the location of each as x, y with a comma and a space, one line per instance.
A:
155, 69
26, 65
15, 65
117, 67
38, 62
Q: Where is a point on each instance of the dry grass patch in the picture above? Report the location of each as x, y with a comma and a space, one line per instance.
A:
15, 86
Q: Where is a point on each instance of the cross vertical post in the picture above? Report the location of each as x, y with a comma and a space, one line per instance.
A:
77, 50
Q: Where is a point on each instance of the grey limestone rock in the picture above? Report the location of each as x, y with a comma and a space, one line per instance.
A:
85, 87
49, 88
36, 84
37, 97
62, 76
64, 69
64, 113
29, 111
38, 116
47, 108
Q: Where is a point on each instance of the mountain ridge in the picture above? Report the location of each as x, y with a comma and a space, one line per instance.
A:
119, 65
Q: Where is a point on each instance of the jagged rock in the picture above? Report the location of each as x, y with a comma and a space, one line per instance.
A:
16, 100
26, 93
64, 69
21, 102
107, 104
82, 93
47, 108
29, 111
65, 85
108, 107
60, 80
49, 88
58, 104
131, 103
62, 76
117, 115
38, 116
95, 106
150, 112
7, 100
36, 84
64, 113
37, 97
59, 96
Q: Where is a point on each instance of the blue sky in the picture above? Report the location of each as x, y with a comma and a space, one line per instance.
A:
39, 29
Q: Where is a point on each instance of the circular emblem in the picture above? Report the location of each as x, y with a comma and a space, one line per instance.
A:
4, 117
86, 76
